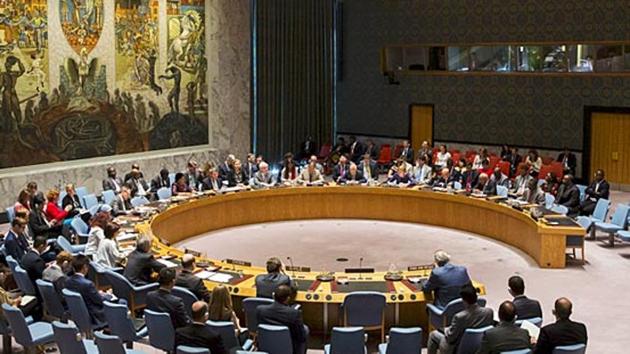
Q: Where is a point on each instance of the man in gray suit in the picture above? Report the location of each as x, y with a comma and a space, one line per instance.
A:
266, 284
121, 204
473, 316
506, 335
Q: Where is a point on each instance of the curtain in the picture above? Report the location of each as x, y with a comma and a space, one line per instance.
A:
294, 74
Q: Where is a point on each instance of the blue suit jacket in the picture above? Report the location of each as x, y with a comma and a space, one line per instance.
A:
446, 282
16, 246
93, 300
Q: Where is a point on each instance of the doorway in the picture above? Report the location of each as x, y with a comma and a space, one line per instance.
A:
420, 124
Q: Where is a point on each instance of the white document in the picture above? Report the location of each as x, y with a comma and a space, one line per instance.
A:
126, 237
204, 274
26, 299
168, 264
533, 330
220, 277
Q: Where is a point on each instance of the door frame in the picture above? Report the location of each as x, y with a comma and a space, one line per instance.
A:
586, 136
411, 105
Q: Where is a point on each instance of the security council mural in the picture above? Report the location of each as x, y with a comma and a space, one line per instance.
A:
89, 78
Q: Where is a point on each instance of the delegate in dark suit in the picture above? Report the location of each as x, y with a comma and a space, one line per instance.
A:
92, 298
563, 332
283, 315
569, 196
186, 279
598, 189
348, 177
158, 182
33, 264
201, 336
266, 284
406, 154
234, 178
161, 300
113, 184
74, 201
506, 336
474, 316
15, 245
210, 184
140, 265
526, 307
446, 282
120, 205
369, 170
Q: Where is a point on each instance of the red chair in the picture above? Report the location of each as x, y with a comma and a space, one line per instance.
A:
544, 170
505, 167
558, 168
455, 156
384, 156
547, 160
324, 152
494, 160
397, 151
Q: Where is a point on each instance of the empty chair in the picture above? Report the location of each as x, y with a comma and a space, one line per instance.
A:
80, 228
164, 193
619, 222
599, 214
582, 189
187, 297
402, 341
97, 274
136, 296
471, 340
69, 341
570, 349
250, 305
228, 335
457, 185
347, 340
12, 263
519, 351
161, 331
139, 201
65, 245
23, 281
108, 196
560, 209
112, 345
79, 312
51, 300
121, 325
27, 335
365, 309
502, 191
274, 339
10, 214
549, 200
184, 349
537, 321
441, 317
82, 192
89, 201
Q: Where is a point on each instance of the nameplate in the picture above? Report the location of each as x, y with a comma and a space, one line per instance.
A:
238, 262
193, 252
359, 270
420, 267
298, 269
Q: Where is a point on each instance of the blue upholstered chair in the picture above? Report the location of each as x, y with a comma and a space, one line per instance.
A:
582, 189
51, 300
346, 340
250, 305
10, 214
619, 222
560, 209
69, 341
136, 296
365, 309
82, 192
471, 340
65, 245
112, 345
550, 200
108, 196
27, 335
519, 351
184, 349
274, 339
121, 325
457, 185
599, 214
164, 193
402, 341
228, 334
24, 281
98, 208
187, 297
89, 201
98, 274
80, 228
570, 349
537, 321
12, 263
139, 201
79, 312
161, 331
502, 191
441, 317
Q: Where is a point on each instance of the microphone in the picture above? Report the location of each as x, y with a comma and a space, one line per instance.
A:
360, 268
292, 267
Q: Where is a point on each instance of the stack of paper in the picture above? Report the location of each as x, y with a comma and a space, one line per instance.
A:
220, 277
168, 264
533, 330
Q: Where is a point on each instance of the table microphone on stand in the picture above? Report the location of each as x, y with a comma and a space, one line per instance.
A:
292, 270
361, 268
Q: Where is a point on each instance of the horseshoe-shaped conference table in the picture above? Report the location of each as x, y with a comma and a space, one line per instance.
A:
320, 300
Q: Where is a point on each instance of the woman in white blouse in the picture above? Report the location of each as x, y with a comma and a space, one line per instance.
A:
97, 232
108, 254
478, 161
534, 162
442, 157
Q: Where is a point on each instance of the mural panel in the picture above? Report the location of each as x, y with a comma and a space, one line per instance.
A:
150, 107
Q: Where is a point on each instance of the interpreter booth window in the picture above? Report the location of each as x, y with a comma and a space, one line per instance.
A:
414, 58
481, 58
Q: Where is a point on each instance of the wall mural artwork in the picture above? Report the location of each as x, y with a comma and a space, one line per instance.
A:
159, 99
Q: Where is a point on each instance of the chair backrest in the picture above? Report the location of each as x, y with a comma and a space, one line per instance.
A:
64, 244
109, 344
164, 193
121, 287
347, 340
161, 331
385, 154
364, 308
502, 191
108, 196
68, 338
24, 281
10, 213
549, 200
18, 325
324, 151
404, 340
117, 316
471, 340
89, 201
78, 311
52, 302
519, 351
274, 339
12, 263
620, 217
79, 226
250, 305
537, 321
184, 349
505, 167
570, 349
187, 297
82, 192
457, 185
582, 189
560, 209
601, 209
455, 306
139, 201
226, 331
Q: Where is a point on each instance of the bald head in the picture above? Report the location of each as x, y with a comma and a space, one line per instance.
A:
200, 311
563, 308
188, 261
507, 311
